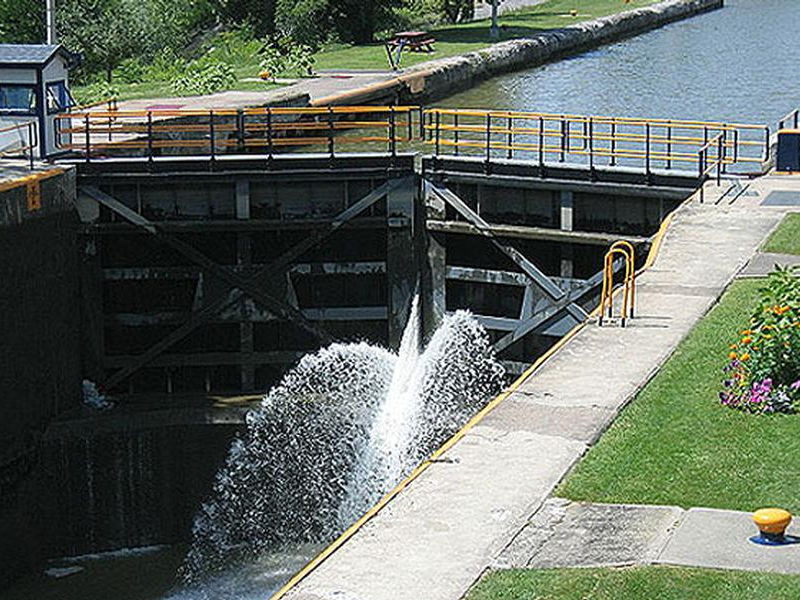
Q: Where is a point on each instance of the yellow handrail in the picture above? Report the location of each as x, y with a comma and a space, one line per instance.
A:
626, 250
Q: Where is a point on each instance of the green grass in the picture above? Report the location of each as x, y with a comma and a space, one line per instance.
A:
634, 583
675, 444
467, 37
451, 40
786, 238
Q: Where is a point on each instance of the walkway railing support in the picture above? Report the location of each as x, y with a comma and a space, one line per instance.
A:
625, 249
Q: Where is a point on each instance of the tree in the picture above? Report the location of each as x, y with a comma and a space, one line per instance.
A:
22, 21
313, 22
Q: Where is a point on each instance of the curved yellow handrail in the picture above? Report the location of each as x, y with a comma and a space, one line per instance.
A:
626, 250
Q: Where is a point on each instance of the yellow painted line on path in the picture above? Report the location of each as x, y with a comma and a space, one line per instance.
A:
350, 531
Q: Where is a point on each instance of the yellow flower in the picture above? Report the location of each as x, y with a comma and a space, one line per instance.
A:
747, 339
732, 355
748, 331
733, 346
744, 357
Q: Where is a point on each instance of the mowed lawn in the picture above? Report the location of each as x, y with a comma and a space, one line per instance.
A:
676, 445
467, 37
635, 583
786, 238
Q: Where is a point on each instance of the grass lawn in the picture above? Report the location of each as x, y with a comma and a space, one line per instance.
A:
466, 37
785, 239
634, 583
675, 444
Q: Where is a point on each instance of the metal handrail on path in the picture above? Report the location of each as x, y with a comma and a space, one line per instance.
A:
542, 137
267, 131
25, 146
626, 250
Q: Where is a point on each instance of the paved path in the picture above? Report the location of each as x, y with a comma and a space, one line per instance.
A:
574, 534
437, 537
483, 10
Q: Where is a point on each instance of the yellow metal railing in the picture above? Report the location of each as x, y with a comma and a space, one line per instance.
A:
100, 132
546, 137
28, 141
624, 249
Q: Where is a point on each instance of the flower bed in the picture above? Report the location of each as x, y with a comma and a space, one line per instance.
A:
763, 372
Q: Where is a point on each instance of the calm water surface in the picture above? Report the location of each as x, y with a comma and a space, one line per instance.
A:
740, 63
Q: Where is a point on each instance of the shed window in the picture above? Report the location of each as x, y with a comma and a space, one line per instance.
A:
58, 97
17, 99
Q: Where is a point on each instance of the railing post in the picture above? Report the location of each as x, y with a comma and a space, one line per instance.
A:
437, 132
488, 138
240, 130
456, 149
564, 138
766, 143
647, 150
392, 132
669, 144
510, 139
796, 115
212, 136
330, 132
541, 146
591, 147
724, 146
86, 133
269, 136
735, 145
613, 161
421, 123
701, 172
149, 135
720, 157
409, 125
30, 143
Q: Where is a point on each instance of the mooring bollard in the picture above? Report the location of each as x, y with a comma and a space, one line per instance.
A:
772, 524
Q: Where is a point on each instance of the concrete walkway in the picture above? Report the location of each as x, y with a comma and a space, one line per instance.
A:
437, 537
574, 534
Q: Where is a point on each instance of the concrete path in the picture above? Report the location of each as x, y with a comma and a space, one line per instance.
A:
437, 537
574, 534
763, 263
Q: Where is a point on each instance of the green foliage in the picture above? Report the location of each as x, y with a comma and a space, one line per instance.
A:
205, 77
785, 239
281, 56
22, 21
95, 92
314, 22
457, 11
763, 375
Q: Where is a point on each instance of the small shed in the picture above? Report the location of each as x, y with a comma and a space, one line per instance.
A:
34, 85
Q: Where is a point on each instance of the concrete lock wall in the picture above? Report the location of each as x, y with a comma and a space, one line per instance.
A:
40, 351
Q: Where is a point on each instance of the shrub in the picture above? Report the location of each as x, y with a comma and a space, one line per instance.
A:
205, 78
763, 372
281, 56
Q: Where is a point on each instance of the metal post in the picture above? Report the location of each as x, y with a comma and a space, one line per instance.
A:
436, 130
392, 132
455, 134
724, 146
269, 136
240, 130
510, 139
541, 146
669, 144
330, 132
720, 157
149, 135
52, 36
86, 132
796, 114
647, 151
613, 160
212, 136
766, 143
488, 137
30, 142
591, 147
564, 138
409, 125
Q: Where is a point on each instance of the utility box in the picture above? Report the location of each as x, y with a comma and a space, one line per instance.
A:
787, 157
34, 86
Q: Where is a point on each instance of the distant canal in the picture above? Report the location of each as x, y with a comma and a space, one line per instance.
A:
739, 63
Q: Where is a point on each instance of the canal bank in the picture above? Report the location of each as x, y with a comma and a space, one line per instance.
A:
447, 524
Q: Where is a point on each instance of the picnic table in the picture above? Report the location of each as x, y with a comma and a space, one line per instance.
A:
414, 41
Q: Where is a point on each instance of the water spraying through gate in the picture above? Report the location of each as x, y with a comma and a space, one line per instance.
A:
340, 430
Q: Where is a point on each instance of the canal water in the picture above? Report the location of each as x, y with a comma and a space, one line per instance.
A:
739, 63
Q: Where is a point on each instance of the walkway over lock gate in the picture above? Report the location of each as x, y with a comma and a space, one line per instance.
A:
646, 145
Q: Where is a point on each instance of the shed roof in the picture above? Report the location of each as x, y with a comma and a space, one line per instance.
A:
30, 54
